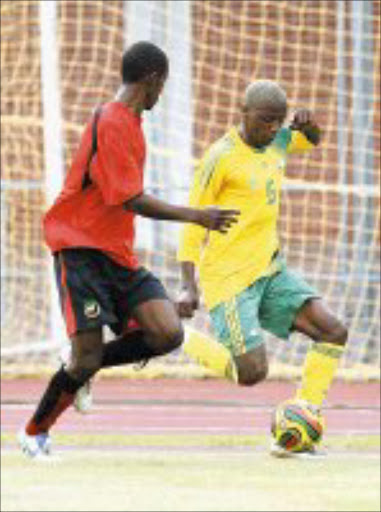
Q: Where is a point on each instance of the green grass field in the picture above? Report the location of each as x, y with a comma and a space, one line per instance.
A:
195, 473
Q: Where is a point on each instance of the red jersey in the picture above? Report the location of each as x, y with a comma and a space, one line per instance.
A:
94, 217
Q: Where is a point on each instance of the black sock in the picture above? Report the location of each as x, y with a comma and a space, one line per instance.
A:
129, 348
58, 396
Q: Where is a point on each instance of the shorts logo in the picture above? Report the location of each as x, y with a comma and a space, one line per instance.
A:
92, 309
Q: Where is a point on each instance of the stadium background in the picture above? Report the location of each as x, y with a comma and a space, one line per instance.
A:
326, 55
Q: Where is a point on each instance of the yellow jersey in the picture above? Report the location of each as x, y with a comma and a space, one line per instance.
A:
232, 174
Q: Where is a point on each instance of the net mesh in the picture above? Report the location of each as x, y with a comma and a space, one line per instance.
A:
325, 54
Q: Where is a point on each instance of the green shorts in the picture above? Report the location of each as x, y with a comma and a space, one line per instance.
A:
270, 303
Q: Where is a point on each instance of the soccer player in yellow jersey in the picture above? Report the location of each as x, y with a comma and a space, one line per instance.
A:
243, 277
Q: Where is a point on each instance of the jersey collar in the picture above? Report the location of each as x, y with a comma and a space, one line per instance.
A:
234, 134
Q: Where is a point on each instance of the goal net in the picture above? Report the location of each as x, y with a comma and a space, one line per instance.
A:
60, 59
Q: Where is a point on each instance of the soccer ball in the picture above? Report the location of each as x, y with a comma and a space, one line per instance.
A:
296, 425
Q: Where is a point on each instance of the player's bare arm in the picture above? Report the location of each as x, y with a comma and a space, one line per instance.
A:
304, 122
212, 218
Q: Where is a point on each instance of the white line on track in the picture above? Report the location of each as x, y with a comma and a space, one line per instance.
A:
160, 407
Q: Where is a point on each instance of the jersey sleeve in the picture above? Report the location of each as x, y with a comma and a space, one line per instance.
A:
292, 141
115, 169
299, 143
207, 181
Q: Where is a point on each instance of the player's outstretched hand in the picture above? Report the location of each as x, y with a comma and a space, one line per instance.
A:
217, 219
304, 122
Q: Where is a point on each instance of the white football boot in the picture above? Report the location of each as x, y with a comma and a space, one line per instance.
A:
38, 446
83, 400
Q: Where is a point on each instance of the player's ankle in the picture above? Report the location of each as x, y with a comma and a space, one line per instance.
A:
32, 429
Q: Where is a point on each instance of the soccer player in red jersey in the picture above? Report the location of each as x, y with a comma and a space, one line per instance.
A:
90, 231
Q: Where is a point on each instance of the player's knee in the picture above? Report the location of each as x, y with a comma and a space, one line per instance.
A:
171, 339
251, 374
85, 366
338, 335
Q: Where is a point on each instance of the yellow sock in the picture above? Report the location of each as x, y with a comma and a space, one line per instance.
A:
209, 353
319, 369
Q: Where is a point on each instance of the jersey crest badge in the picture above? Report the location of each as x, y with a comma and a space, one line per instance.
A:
92, 309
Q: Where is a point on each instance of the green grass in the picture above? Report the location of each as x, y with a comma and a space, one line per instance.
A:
189, 472
180, 481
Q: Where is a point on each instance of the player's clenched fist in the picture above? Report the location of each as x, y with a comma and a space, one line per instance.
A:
303, 121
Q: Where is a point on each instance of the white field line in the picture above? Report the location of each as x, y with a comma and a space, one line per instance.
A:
75, 452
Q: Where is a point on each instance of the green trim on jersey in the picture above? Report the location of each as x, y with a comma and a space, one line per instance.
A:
208, 165
283, 139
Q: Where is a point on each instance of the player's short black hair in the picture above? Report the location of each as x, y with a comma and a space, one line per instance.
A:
142, 59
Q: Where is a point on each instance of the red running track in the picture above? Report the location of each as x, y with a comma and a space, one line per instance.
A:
191, 406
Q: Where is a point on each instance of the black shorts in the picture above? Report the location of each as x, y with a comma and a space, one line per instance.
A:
95, 291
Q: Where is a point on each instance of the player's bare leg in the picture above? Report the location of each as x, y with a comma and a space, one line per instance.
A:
159, 319
158, 332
